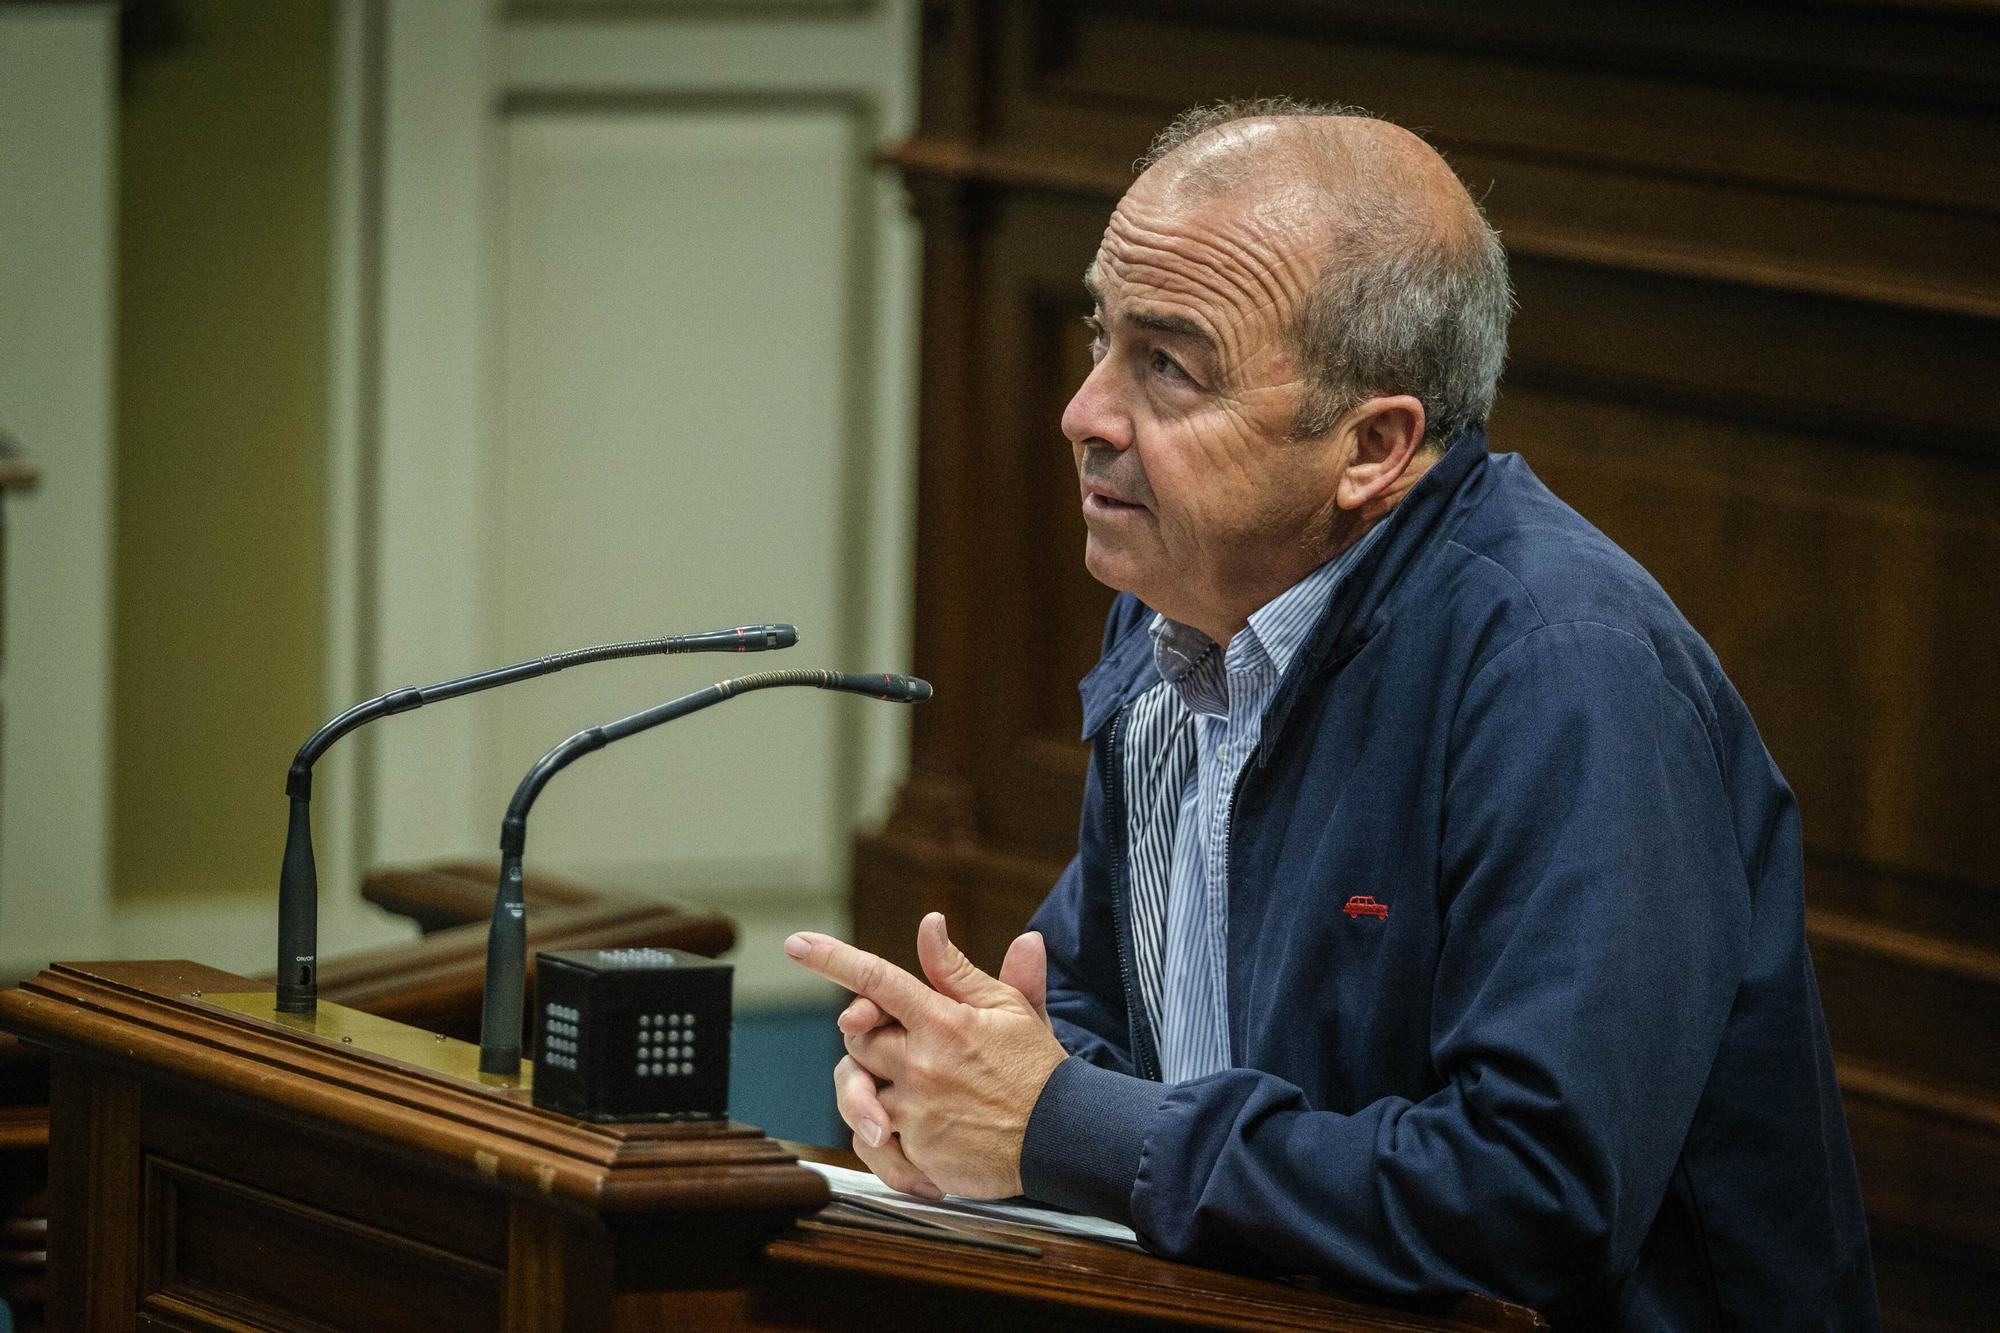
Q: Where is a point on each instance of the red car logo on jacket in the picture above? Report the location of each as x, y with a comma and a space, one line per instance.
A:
1362, 905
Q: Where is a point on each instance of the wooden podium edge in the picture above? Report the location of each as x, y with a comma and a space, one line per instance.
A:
148, 1018
128, 1036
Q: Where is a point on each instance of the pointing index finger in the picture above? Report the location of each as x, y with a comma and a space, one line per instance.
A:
894, 991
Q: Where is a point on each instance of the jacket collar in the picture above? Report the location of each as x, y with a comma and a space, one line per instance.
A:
1367, 598
1126, 671
1360, 605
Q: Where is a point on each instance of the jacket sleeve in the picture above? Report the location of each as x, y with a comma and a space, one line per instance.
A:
1594, 910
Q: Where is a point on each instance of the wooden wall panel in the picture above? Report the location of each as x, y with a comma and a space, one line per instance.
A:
220, 1254
1845, 585
1757, 250
1038, 352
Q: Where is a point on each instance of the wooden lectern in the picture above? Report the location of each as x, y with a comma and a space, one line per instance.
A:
214, 1166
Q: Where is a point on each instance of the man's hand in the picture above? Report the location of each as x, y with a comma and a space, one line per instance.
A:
938, 1084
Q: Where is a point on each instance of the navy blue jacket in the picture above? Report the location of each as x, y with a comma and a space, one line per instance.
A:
1581, 1062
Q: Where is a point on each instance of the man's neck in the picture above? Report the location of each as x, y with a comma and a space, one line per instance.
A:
1235, 617
1347, 528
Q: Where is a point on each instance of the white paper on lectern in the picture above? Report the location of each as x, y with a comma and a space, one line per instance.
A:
861, 1185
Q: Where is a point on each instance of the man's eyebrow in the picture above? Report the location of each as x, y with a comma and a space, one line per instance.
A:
1177, 326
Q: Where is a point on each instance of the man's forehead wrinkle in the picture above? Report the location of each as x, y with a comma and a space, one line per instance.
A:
1196, 292
1167, 293
1276, 272
1233, 239
1219, 256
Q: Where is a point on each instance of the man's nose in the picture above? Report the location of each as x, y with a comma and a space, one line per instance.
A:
1096, 413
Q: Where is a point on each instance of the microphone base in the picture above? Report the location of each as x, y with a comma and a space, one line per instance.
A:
353, 1030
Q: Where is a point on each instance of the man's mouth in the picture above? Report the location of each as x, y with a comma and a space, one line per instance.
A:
1104, 500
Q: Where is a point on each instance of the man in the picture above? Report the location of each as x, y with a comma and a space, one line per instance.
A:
1436, 923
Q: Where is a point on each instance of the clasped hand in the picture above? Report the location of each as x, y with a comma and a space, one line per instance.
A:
938, 1084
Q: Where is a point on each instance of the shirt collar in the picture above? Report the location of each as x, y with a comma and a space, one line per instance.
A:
1178, 649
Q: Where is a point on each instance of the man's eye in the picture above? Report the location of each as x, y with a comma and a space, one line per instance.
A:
1166, 365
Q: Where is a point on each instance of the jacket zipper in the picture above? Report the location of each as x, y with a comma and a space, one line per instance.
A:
1114, 783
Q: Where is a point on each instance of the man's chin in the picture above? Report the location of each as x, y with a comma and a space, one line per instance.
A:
1114, 569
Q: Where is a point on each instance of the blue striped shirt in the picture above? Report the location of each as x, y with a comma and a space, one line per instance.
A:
1185, 750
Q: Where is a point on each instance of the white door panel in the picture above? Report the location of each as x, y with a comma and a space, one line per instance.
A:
645, 357
672, 456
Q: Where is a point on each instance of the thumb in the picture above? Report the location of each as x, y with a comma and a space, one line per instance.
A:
951, 971
1026, 969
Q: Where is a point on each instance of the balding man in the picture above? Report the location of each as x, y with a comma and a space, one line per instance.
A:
1436, 923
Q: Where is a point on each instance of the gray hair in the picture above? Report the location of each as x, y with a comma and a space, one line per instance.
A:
1406, 301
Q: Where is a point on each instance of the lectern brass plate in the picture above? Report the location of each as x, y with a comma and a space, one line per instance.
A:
343, 1026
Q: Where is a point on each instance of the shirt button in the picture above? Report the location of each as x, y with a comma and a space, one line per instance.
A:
1222, 752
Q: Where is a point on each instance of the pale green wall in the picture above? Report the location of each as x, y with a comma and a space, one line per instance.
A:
221, 442
57, 165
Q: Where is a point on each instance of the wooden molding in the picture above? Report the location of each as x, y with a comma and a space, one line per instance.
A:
149, 1018
925, 159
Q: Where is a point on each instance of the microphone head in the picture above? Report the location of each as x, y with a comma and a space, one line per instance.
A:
901, 689
742, 639
763, 638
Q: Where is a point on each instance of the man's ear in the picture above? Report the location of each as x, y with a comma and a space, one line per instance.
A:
1388, 435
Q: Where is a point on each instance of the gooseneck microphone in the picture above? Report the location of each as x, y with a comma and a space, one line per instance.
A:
298, 876
507, 938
